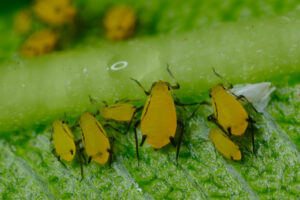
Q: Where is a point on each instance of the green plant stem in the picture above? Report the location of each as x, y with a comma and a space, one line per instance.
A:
36, 91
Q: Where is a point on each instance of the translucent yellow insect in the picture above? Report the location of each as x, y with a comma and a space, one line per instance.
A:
63, 140
64, 143
119, 22
229, 113
41, 42
54, 12
95, 140
159, 121
118, 112
225, 145
22, 22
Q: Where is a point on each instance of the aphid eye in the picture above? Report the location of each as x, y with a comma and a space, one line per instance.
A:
71, 151
57, 9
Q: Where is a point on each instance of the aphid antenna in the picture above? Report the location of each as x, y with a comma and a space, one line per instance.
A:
177, 86
140, 85
222, 78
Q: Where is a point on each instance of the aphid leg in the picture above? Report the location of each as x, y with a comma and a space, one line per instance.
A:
111, 151
143, 140
90, 159
81, 164
136, 140
177, 86
97, 101
199, 104
110, 126
214, 120
218, 75
58, 158
243, 98
179, 139
95, 107
74, 126
251, 121
132, 118
172, 140
229, 131
139, 84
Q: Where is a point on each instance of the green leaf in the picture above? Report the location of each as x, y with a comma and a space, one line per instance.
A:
36, 91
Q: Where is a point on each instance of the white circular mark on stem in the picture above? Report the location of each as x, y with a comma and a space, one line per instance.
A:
119, 65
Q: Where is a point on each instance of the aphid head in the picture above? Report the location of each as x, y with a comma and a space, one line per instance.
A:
216, 89
160, 86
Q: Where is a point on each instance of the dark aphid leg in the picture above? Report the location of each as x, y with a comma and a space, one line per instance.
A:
230, 86
90, 159
58, 158
110, 126
244, 99
132, 118
172, 140
143, 140
179, 139
251, 121
214, 120
111, 151
136, 140
95, 107
140, 85
199, 104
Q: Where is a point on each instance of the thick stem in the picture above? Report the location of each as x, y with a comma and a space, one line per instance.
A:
39, 90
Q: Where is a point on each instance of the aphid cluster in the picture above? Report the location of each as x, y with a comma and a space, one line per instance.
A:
158, 123
61, 19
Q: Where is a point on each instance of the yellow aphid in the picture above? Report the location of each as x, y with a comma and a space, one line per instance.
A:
63, 140
118, 112
119, 22
54, 12
41, 42
22, 22
95, 140
225, 145
228, 111
159, 121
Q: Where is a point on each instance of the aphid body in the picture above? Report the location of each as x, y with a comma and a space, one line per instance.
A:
41, 42
54, 12
118, 112
225, 145
63, 140
119, 22
159, 121
228, 111
95, 140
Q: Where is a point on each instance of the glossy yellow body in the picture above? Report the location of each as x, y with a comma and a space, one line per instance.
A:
94, 138
63, 140
228, 111
22, 22
119, 22
159, 121
118, 112
54, 12
224, 145
41, 42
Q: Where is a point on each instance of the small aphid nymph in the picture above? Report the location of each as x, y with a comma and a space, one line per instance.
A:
95, 140
225, 145
54, 12
119, 22
63, 140
41, 42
